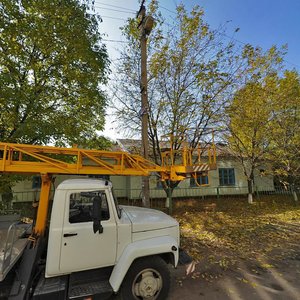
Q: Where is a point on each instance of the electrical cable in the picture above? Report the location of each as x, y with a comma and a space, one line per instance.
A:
117, 10
114, 41
115, 6
131, 11
115, 18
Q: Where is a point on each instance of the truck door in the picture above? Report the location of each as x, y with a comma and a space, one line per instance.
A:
81, 248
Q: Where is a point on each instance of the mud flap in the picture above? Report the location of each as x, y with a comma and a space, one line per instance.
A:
184, 258
187, 261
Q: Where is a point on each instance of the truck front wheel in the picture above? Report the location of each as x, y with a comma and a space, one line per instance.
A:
147, 278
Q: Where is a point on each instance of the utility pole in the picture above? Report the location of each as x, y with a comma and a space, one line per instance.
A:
145, 27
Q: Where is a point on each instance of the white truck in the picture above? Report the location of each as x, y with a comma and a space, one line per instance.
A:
89, 247
96, 247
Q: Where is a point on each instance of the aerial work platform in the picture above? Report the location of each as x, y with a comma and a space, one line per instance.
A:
32, 159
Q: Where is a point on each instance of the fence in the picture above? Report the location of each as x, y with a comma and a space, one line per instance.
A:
204, 192
158, 196
132, 196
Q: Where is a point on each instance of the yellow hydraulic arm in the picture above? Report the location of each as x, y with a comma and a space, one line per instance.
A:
29, 159
46, 160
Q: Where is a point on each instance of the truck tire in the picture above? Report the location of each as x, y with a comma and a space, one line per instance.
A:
147, 278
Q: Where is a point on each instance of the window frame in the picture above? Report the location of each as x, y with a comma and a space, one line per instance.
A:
193, 181
226, 177
100, 194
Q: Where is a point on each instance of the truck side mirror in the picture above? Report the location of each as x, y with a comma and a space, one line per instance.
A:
96, 215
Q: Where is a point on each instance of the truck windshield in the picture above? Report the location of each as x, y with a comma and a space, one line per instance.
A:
116, 203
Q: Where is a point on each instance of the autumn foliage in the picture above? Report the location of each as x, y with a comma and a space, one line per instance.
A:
237, 230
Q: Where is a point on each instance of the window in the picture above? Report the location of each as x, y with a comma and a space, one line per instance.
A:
36, 182
226, 176
81, 206
159, 184
201, 180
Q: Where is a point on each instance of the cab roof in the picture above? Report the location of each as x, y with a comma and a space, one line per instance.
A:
85, 183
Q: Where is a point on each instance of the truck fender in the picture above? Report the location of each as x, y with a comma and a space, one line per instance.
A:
153, 246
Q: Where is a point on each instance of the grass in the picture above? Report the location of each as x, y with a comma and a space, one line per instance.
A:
235, 229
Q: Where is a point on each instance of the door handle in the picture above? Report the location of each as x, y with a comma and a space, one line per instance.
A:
69, 234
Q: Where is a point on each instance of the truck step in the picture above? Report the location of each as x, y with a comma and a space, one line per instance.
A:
100, 288
51, 288
90, 283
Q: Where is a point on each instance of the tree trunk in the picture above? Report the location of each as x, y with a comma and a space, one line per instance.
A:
294, 193
295, 196
145, 191
169, 187
169, 202
250, 191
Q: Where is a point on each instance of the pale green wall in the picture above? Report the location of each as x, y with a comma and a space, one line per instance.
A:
130, 186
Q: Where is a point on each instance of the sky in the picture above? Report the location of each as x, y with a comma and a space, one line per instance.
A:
261, 23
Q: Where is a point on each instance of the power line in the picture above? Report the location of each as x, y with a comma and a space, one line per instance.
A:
243, 43
173, 12
117, 10
115, 18
230, 37
115, 6
122, 9
115, 41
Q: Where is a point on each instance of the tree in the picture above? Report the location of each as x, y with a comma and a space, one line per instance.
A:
52, 64
191, 72
251, 114
249, 129
285, 143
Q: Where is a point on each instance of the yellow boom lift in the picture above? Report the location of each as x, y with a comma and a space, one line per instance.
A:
47, 160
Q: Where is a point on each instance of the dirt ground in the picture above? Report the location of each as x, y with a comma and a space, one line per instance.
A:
245, 280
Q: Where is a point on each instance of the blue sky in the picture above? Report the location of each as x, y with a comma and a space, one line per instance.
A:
262, 23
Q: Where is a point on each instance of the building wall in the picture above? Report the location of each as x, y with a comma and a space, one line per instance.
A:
131, 186
184, 189
23, 191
